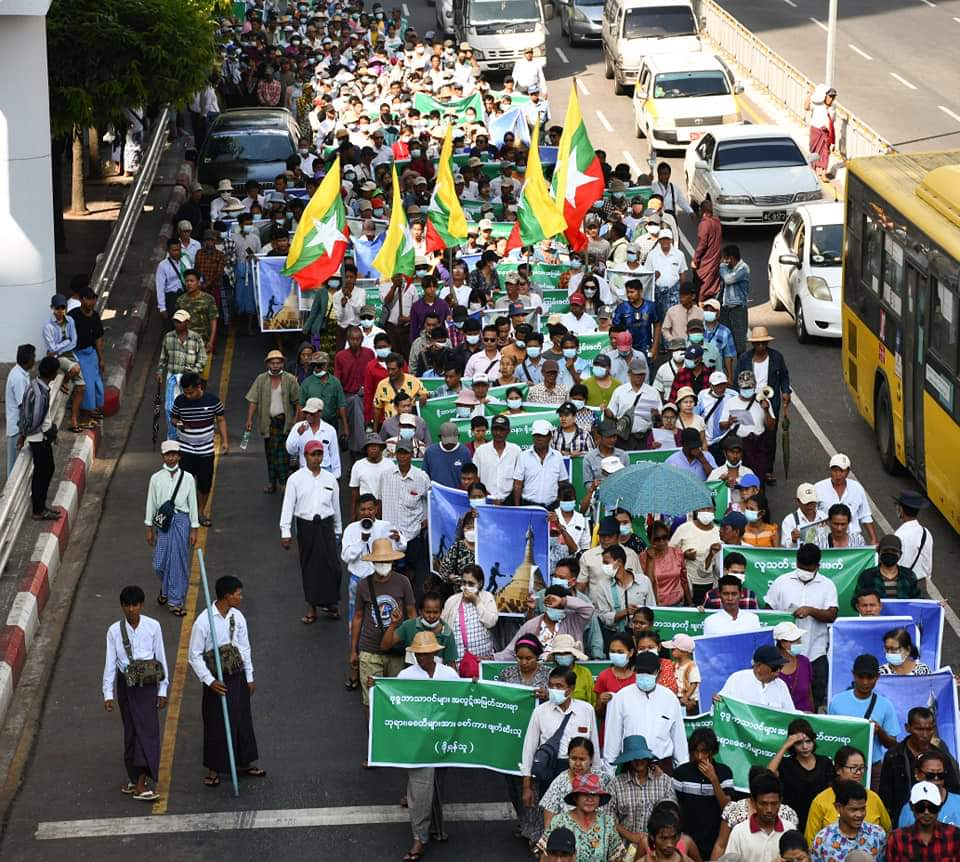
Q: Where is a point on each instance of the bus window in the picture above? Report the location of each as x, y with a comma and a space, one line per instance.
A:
943, 326
872, 253
892, 274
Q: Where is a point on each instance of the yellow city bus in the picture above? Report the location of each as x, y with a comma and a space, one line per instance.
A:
901, 314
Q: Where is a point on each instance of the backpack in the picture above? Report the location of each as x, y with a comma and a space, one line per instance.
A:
33, 408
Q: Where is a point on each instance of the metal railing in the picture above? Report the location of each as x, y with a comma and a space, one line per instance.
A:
785, 84
15, 495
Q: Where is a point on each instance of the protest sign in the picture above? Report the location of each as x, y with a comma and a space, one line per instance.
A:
511, 121
593, 343
432, 384
278, 297
642, 192
936, 691
751, 735
425, 104
928, 615
719, 656
490, 669
520, 424
618, 276
513, 549
841, 565
689, 621
856, 636
436, 411
445, 507
417, 722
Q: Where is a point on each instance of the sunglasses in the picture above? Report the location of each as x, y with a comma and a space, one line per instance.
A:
926, 808
934, 776
489, 340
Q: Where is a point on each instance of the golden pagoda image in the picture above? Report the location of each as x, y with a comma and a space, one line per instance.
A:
527, 579
288, 315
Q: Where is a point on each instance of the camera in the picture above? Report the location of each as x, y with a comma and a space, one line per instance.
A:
366, 525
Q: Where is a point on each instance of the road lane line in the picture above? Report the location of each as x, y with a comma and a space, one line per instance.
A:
406, 10
863, 54
179, 681
604, 121
885, 526
956, 19
561, 55
283, 818
583, 87
790, 3
929, 3
631, 161
821, 25
949, 113
902, 80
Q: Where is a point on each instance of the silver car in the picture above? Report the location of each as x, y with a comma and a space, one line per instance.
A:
581, 20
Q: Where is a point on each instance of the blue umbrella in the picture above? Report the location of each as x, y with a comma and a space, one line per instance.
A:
648, 487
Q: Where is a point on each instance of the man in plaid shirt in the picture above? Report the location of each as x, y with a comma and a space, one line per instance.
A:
733, 564
928, 839
210, 263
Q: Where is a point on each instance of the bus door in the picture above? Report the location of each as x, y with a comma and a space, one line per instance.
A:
916, 344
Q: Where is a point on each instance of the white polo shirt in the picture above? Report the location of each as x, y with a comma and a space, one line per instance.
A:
917, 542
721, 623
540, 478
788, 592
654, 715
854, 497
743, 685
496, 469
755, 844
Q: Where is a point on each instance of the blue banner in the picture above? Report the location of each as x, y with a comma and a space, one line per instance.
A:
278, 297
513, 549
445, 508
937, 691
718, 656
512, 120
364, 253
928, 615
853, 636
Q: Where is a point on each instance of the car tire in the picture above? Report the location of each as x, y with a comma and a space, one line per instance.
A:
775, 302
800, 323
619, 89
607, 66
883, 428
572, 40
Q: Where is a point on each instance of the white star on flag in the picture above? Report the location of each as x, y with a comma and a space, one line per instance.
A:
575, 178
407, 246
326, 234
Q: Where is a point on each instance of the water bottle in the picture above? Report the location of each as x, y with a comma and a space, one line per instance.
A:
245, 441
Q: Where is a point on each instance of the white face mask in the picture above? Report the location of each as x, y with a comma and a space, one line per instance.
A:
470, 589
383, 568
705, 517
609, 569
515, 403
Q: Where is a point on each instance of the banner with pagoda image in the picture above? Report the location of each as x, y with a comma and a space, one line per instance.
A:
513, 549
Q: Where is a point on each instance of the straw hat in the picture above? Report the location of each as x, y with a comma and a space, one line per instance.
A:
382, 552
759, 333
425, 642
566, 644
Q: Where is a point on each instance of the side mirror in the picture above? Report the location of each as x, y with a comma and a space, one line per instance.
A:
790, 260
701, 165
548, 11
737, 89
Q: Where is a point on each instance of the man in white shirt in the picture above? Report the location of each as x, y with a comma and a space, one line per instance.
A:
760, 685
496, 461
358, 539
639, 398
800, 525
812, 599
669, 268
539, 470
840, 488
576, 319
528, 73
648, 710
915, 539
313, 428
169, 277
134, 656
16, 387
674, 199
487, 360
730, 618
366, 473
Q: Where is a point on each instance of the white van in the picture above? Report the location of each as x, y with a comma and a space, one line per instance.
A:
679, 96
500, 31
633, 29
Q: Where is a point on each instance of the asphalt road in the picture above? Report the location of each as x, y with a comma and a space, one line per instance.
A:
897, 61
310, 730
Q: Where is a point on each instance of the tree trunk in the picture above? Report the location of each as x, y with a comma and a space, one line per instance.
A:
58, 147
78, 204
93, 147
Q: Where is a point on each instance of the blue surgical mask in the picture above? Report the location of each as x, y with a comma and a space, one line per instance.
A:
557, 696
464, 412
556, 614
618, 659
520, 344
563, 660
533, 352
709, 316
475, 502
646, 681
576, 264
568, 505
796, 649
751, 515
625, 529
366, 322
599, 371
427, 625
569, 352
747, 392
689, 363
894, 658
631, 257
407, 433
473, 339
382, 352
579, 403
695, 338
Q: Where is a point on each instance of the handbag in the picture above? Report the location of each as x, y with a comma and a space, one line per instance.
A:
545, 758
469, 667
163, 517
142, 671
625, 422
230, 659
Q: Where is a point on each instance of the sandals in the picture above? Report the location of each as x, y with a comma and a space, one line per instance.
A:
211, 780
204, 521
351, 684
161, 599
129, 788
48, 515
177, 612
308, 620
80, 427
148, 795
254, 772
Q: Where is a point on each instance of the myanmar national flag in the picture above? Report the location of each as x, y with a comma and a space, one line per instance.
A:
397, 254
318, 246
446, 223
538, 215
578, 178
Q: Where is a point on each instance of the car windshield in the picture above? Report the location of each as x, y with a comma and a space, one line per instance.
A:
492, 11
826, 245
260, 146
683, 85
758, 153
589, 2
659, 22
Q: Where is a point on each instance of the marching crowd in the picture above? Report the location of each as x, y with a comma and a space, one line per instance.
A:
608, 771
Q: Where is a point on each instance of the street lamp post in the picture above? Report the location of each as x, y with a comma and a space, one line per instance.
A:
831, 43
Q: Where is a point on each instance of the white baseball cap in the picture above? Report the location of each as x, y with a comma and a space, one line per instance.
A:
925, 791
806, 493
313, 405
665, 233
611, 464
542, 428
787, 631
718, 377
840, 460
169, 446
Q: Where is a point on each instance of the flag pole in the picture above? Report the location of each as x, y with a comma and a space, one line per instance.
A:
216, 658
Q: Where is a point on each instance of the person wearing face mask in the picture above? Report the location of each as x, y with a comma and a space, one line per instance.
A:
797, 672
471, 614
621, 652
667, 372
624, 594
760, 532
462, 553
717, 336
889, 578
402, 631
693, 374
812, 599
569, 530
322, 385
564, 652
902, 656
444, 460
750, 416
406, 426
572, 368
649, 710
760, 684
564, 613
732, 471
273, 401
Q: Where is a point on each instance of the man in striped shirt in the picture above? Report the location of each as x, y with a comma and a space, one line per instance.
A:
197, 415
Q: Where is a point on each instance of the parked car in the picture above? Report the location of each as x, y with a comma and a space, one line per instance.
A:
247, 144
581, 20
678, 97
753, 175
805, 267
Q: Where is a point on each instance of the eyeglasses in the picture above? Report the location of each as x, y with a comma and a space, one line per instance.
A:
925, 808
856, 770
934, 776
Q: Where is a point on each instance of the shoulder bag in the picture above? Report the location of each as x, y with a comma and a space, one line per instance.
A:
163, 517
625, 422
469, 667
230, 659
548, 753
141, 671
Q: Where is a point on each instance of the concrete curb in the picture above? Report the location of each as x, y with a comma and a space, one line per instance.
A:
40, 574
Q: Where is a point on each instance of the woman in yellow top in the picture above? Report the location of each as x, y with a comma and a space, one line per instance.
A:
564, 651
849, 765
760, 532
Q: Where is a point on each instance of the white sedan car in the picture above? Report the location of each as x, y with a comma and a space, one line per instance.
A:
804, 269
753, 175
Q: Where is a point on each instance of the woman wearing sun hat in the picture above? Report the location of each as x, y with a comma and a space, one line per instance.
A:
595, 830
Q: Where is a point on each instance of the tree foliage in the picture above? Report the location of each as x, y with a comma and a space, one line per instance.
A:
105, 55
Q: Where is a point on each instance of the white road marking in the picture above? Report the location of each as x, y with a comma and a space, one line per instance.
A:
949, 113
902, 80
604, 121
406, 10
929, 3
350, 815
885, 526
631, 161
790, 3
583, 87
561, 55
821, 25
863, 54
956, 19
685, 244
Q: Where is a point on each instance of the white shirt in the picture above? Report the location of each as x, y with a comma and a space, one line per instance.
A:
201, 642
496, 469
761, 370
407, 297
707, 404
796, 520
527, 73
623, 399
673, 197
583, 325
655, 715
670, 265
756, 846
721, 623
540, 478
743, 685
169, 278
17, 381
353, 546
788, 592
481, 363
546, 720
854, 497
326, 434
441, 671
366, 476
308, 495
349, 314
757, 417
578, 528
910, 533
146, 642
